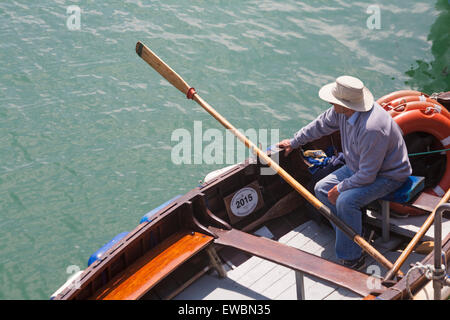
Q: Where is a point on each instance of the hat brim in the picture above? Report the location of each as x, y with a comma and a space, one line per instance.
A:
326, 94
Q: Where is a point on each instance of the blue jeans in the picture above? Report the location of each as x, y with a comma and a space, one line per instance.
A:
348, 206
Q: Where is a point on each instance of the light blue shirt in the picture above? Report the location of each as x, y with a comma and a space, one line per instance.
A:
372, 144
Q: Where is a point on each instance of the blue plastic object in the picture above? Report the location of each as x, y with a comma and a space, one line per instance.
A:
150, 215
412, 186
100, 252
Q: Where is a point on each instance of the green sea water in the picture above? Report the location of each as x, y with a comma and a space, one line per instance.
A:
86, 125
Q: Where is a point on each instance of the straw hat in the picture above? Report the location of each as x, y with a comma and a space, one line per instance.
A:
349, 92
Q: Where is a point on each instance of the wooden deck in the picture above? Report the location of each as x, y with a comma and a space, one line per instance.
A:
254, 278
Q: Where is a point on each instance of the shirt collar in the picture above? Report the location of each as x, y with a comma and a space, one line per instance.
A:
353, 118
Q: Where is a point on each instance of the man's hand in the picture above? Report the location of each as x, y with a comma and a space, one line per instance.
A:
286, 146
333, 194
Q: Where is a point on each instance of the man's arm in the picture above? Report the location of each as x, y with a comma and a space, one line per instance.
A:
325, 124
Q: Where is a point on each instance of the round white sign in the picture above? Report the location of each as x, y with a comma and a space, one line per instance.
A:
244, 202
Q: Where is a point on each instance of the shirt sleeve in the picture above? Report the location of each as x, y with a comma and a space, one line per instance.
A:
325, 124
374, 147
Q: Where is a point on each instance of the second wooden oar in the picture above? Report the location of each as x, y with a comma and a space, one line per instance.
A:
415, 240
164, 70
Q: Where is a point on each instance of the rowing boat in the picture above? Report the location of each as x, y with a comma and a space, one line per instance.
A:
196, 237
242, 234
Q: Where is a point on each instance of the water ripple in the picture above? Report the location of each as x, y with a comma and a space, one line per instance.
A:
83, 118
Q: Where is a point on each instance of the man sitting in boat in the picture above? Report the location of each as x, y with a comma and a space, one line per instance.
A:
375, 153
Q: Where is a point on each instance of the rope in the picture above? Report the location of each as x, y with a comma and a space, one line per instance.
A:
428, 271
428, 152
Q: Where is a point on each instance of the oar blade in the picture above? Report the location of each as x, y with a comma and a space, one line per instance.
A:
163, 69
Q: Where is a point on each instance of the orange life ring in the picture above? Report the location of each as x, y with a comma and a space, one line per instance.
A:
437, 125
402, 100
399, 94
426, 106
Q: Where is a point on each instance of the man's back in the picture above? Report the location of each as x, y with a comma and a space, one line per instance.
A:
373, 143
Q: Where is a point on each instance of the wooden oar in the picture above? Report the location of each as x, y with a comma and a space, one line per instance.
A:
164, 70
419, 235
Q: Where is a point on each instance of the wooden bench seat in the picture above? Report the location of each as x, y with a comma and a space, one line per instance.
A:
426, 202
154, 266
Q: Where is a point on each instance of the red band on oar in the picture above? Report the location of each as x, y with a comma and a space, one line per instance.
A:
190, 93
